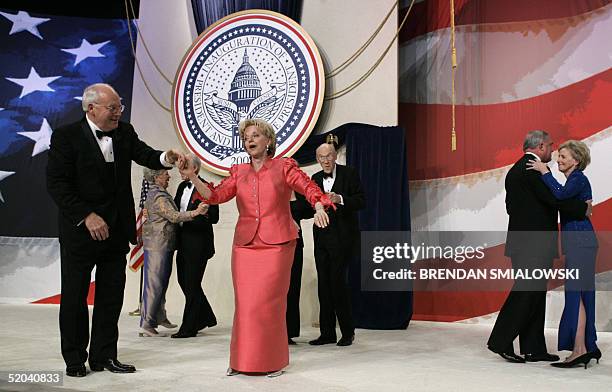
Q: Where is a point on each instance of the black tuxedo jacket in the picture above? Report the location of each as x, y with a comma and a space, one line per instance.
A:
300, 209
79, 182
344, 222
196, 238
533, 210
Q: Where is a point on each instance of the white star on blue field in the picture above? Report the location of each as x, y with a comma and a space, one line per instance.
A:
45, 63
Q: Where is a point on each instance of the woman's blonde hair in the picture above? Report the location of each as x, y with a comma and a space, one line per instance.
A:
580, 152
264, 127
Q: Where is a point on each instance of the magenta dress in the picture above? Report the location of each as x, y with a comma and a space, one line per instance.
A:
264, 243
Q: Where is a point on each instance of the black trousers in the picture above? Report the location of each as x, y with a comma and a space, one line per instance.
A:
523, 313
332, 262
76, 267
198, 313
293, 295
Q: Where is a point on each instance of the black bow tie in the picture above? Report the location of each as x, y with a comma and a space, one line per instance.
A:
100, 134
328, 175
188, 184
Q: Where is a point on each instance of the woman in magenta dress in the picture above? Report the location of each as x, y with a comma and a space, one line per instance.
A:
264, 243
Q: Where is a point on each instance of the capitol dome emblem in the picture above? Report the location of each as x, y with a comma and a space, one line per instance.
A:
251, 64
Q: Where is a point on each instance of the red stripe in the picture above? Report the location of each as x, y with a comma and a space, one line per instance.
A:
137, 264
460, 305
456, 306
135, 251
135, 261
431, 15
55, 299
139, 219
491, 136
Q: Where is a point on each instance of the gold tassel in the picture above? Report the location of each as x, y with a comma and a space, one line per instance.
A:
454, 66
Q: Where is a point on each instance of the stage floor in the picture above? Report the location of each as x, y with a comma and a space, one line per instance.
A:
425, 357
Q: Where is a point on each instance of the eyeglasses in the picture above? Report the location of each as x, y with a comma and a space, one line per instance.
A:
326, 158
112, 108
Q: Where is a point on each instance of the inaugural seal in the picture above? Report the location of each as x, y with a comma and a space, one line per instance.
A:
251, 64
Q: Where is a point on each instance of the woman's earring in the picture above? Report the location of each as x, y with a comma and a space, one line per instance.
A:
269, 149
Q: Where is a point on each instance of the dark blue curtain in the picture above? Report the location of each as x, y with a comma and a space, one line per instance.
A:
379, 155
207, 12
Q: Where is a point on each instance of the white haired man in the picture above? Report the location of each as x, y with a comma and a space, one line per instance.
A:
89, 178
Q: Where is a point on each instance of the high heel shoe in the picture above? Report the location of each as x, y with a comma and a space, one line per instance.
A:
596, 355
583, 359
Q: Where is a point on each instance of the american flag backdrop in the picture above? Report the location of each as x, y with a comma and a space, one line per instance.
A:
45, 63
522, 65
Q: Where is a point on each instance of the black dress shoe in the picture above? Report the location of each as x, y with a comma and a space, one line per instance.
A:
182, 335
346, 341
207, 324
322, 340
125, 365
76, 371
545, 357
211, 323
112, 365
512, 357
508, 355
291, 342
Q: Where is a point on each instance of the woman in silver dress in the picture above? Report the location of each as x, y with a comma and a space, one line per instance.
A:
159, 242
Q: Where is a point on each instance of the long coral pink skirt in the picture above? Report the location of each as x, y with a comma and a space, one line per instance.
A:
261, 273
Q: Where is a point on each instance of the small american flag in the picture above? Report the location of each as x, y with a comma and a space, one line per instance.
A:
137, 253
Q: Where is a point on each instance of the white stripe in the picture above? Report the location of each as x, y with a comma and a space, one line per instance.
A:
139, 220
136, 256
477, 201
30, 268
497, 65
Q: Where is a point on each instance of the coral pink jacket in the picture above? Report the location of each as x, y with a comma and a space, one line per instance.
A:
263, 199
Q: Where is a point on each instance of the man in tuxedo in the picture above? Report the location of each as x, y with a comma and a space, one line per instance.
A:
531, 243
195, 245
89, 178
335, 245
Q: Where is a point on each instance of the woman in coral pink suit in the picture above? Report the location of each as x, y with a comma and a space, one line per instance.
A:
264, 243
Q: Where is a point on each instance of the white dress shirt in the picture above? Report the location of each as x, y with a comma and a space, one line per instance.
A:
328, 184
106, 145
186, 197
